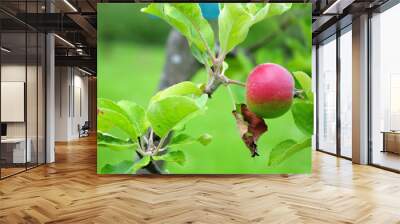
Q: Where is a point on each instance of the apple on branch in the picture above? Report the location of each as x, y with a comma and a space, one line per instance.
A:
269, 90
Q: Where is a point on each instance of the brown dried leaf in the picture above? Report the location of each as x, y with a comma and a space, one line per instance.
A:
250, 126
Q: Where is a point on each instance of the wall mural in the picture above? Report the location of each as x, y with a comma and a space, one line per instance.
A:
204, 88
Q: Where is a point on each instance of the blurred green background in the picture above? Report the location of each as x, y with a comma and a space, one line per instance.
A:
131, 56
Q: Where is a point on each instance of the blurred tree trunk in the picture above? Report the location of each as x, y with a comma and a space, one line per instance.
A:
180, 65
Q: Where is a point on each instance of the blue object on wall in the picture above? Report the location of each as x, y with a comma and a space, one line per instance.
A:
210, 11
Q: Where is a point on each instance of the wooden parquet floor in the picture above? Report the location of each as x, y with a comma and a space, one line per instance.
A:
70, 191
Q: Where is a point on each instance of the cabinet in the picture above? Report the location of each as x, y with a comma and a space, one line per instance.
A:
391, 142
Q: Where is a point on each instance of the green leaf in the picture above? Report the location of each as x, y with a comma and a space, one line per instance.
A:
119, 168
201, 30
181, 139
303, 81
125, 115
136, 115
180, 89
126, 166
103, 103
189, 21
172, 156
184, 139
173, 111
278, 8
114, 142
103, 125
144, 161
302, 112
236, 19
234, 23
111, 118
258, 10
286, 149
201, 56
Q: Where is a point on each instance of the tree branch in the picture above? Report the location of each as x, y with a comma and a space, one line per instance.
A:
212, 86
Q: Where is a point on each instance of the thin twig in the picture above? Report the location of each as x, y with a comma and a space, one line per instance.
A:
160, 145
143, 153
232, 81
150, 139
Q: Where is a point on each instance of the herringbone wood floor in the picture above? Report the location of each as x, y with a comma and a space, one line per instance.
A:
69, 191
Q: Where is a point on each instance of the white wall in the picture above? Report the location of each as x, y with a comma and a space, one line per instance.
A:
62, 81
80, 103
33, 126
17, 73
71, 102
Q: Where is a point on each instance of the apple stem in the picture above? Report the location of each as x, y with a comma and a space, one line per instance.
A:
235, 82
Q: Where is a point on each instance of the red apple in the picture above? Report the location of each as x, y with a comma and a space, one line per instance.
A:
269, 90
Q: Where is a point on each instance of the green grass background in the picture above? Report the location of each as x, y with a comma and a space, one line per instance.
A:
129, 68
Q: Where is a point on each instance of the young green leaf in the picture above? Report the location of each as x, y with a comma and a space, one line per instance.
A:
185, 88
144, 161
236, 19
258, 10
303, 81
172, 156
103, 125
278, 8
189, 21
234, 23
113, 141
172, 112
111, 118
125, 115
181, 139
261, 11
136, 115
202, 29
108, 104
302, 112
119, 168
286, 149
201, 56
184, 139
